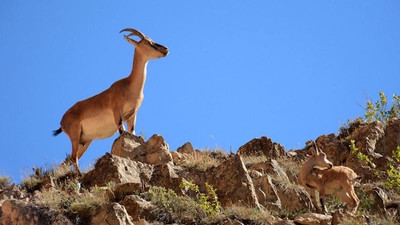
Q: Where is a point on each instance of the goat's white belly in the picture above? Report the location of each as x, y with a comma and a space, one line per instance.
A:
99, 127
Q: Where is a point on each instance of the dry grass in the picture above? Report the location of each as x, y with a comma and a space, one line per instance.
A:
203, 160
4, 182
291, 167
250, 160
71, 198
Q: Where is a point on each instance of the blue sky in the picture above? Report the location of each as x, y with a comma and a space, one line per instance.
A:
289, 70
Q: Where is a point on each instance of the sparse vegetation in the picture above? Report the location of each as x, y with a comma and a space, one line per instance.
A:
246, 213
4, 182
392, 171
361, 156
250, 160
203, 160
208, 201
381, 111
172, 207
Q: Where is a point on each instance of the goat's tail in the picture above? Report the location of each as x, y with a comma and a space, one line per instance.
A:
57, 132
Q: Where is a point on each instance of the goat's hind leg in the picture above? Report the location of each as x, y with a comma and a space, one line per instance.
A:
349, 199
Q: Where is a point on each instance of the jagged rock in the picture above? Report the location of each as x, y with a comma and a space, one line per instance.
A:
187, 148
342, 217
272, 168
111, 214
378, 197
313, 219
129, 146
121, 190
366, 138
138, 208
177, 157
292, 196
233, 183
157, 151
166, 175
262, 147
119, 170
266, 192
15, 212
389, 142
336, 151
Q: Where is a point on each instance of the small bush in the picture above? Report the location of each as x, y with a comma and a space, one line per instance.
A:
208, 202
177, 208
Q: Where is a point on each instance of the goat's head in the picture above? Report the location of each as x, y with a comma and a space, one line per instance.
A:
320, 157
145, 45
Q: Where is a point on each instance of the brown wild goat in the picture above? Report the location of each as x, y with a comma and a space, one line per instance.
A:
328, 179
102, 115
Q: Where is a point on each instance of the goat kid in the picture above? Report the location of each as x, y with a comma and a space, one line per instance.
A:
328, 179
100, 116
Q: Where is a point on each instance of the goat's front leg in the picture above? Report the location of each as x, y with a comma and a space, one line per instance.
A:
119, 122
131, 124
311, 192
322, 201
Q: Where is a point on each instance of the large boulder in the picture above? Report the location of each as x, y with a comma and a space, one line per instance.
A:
129, 146
233, 183
155, 151
167, 175
263, 146
275, 190
110, 214
389, 142
138, 208
118, 170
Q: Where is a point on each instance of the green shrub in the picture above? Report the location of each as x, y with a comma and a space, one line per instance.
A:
178, 208
379, 111
208, 202
361, 156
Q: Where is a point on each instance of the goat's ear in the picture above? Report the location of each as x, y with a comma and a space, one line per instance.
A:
315, 150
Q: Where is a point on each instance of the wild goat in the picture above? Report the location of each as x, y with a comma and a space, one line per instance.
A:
100, 116
328, 179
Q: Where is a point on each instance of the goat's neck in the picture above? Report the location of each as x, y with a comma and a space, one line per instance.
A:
137, 78
306, 169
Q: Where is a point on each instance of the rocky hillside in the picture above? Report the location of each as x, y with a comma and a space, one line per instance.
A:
144, 182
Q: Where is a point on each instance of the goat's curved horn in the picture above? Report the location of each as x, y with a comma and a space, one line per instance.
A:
134, 32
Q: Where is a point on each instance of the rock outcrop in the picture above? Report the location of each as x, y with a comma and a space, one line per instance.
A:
263, 146
267, 182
